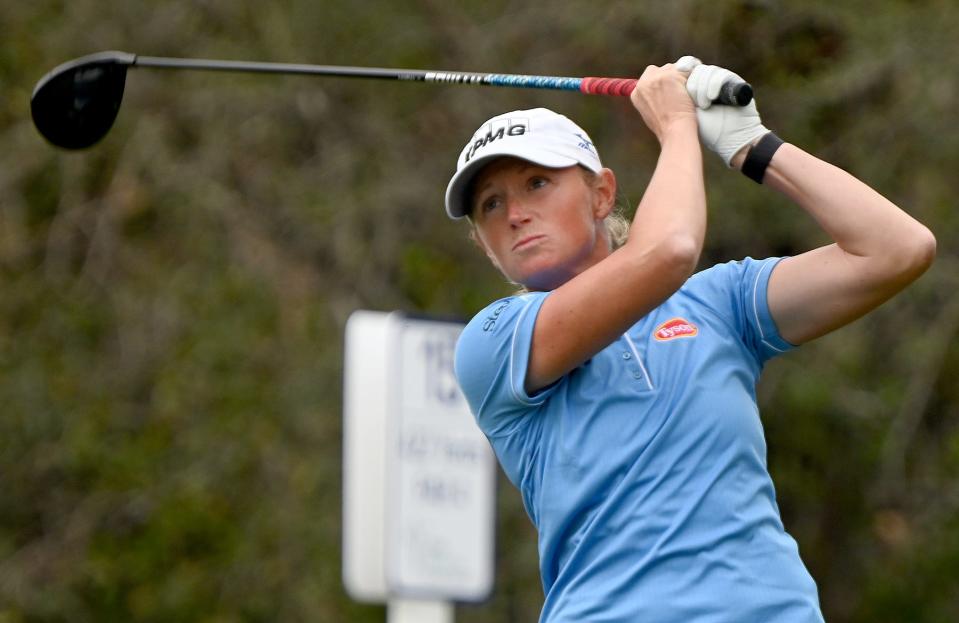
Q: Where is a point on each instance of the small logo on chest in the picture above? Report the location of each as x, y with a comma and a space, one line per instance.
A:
672, 329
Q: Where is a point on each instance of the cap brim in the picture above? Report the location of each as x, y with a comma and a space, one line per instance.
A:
457, 201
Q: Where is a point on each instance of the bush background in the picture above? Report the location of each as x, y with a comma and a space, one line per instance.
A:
172, 301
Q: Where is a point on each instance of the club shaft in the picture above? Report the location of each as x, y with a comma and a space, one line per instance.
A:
453, 77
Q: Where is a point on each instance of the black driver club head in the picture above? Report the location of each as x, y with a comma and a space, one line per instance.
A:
75, 104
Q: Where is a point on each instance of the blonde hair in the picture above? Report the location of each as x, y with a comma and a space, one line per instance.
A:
616, 223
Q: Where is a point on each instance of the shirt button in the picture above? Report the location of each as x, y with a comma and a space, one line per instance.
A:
626, 355
637, 375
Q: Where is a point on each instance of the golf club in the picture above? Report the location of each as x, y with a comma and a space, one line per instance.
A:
75, 104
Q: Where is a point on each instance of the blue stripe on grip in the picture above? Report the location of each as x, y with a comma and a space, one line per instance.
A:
535, 82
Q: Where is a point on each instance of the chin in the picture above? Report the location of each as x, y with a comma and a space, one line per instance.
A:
544, 280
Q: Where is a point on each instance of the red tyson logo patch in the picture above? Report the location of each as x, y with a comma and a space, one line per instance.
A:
672, 329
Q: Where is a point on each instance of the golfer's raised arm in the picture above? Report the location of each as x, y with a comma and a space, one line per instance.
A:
595, 307
878, 249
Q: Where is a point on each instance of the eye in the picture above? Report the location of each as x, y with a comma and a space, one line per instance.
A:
537, 181
490, 203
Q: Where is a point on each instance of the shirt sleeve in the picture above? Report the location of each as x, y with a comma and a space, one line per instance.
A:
492, 356
739, 289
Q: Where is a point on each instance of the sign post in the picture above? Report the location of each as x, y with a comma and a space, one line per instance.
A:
400, 610
419, 476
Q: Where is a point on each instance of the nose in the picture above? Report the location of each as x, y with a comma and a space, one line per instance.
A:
516, 212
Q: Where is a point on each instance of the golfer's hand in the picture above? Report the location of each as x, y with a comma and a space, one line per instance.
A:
724, 130
661, 98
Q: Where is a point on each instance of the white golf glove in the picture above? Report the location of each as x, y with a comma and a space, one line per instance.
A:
722, 129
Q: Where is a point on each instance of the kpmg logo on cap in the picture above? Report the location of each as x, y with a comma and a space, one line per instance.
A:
493, 131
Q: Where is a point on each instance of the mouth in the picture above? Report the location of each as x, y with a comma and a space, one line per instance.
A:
527, 241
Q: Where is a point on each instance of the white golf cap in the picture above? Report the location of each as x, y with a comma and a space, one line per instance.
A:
539, 135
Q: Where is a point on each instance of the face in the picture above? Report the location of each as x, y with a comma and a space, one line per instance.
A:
541, 226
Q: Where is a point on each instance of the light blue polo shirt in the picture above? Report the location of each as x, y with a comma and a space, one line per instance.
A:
644, 469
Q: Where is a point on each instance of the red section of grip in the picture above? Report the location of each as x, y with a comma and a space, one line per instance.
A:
608, 86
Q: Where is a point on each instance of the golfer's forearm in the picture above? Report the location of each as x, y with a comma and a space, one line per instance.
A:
860, 220
590, 311
672, 213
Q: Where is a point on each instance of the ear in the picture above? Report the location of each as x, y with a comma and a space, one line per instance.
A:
604, 190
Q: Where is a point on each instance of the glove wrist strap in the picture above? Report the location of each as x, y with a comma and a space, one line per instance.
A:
759, 156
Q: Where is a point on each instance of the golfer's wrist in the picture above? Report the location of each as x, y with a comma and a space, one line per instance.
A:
736, 162
681, 130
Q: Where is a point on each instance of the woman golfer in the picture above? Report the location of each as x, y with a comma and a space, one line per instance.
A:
618, 391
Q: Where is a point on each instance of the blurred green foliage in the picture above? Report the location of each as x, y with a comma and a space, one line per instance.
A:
172, 301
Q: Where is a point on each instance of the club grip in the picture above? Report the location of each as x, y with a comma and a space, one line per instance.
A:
735, 93
608, 86
732, 93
